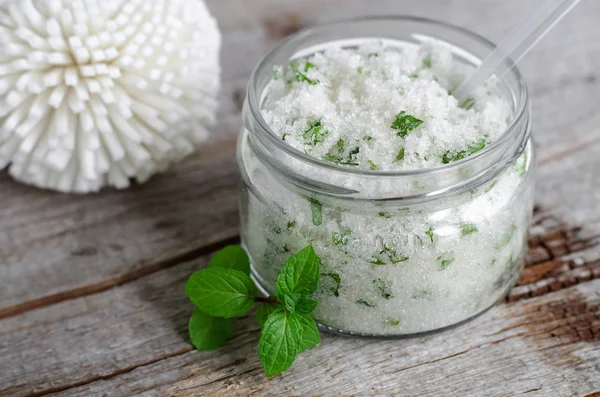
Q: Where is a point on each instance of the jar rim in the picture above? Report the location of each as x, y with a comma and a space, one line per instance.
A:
254, 100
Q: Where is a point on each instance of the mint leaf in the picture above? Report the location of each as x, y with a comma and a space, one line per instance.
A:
400, 155
384, 289
221, 292
300, 76
315, 133
208, 332
472, 149
300, 274
231, 257
372, 166
468, 103
316, 208
365, 303
264, 310
429, 233
309, 333
468, 228
335, 289
377, 261
405, 123
392, 322
340, 239
447, 262
279, 342
291, 224
340, 145
427, 63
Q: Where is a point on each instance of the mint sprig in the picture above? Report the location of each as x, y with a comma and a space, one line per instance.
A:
224, 290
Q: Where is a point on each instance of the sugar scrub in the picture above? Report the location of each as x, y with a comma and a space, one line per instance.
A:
399, 256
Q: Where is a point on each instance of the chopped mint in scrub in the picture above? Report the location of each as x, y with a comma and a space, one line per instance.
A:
390, 269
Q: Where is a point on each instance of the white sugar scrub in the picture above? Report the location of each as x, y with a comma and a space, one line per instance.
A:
418, 206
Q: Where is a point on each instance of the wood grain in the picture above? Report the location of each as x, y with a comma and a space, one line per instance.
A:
91, 287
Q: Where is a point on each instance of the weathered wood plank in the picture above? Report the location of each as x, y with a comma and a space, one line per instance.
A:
84, 341
86, 243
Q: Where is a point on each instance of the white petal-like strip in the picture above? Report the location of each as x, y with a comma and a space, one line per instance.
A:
95, 93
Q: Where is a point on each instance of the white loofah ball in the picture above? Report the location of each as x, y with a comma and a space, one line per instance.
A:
95, 92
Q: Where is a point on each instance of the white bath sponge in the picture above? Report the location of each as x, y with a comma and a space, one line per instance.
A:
94, 93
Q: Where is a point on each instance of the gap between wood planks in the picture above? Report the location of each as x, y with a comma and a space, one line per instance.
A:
153, 267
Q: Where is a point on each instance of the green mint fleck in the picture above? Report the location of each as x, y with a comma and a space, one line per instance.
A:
360, 70
339, 159
447, 262
340, 145
385, 215
472, 149
422, 294
340, 239
427, 63
468, 103
491, 186
221, 292
373, 55
395, 258
429, 233
276, 75
368, 138
316, 208
335, 289
372, 166
392, 322
384, 289
468, 228
231, 257
365, 303
291, 224
284, 136
301, 76
400, 155
506, 238
377, 261
286, 248
522, 168
315, 133
405, 123
208, 332
414, 76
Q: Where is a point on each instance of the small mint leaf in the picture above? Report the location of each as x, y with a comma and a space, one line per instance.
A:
300, 274
468, 228
221, 292
316, 208
279, 342
405, 123
207, 332
264, 310
335, 288
309, 332
231, 257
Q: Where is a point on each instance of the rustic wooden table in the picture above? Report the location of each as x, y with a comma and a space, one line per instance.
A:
91, 288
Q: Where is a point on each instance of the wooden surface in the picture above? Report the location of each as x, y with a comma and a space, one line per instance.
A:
91, 288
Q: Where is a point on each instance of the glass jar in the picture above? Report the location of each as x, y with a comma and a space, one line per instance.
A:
402, 253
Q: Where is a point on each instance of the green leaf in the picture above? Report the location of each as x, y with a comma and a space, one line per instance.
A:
315, 133
300, 76
472, 149
384, 289
291, 224
372, 166
340, 239
427, 63
280, 341
208, 332
296, 303
316, 208
429, 233
468, 103
335, 290
300, 274
340, 145
400, 155
231, 257
365, 303
468, 228
405, 123
377, 261
447, 262
221, 292
264, 310
309, 332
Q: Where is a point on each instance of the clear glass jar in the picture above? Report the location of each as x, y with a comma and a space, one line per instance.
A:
402, 253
